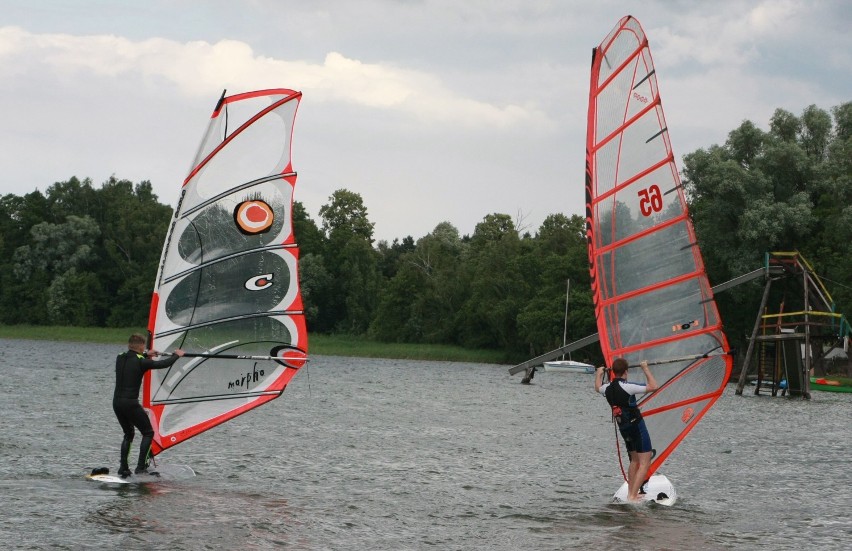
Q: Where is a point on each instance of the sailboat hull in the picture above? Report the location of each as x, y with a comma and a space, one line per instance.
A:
568, 366
658, 489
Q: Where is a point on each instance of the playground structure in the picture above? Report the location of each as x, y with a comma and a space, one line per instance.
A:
795, 335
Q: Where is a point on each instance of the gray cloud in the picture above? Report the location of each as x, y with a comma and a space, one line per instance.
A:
431, 110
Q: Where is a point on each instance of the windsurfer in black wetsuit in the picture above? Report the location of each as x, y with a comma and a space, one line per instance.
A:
621, 396
129, 369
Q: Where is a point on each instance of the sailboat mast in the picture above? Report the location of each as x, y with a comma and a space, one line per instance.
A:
565, 322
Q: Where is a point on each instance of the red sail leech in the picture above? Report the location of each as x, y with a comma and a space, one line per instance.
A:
227, 289
652, 298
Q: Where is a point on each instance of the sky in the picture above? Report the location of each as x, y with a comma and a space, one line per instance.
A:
430, 110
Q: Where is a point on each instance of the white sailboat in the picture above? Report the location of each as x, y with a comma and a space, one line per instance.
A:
563, 365
569, 366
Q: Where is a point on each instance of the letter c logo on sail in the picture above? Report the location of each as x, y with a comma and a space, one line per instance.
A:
253, 217
258, 283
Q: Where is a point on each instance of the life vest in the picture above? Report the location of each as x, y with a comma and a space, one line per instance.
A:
624, 409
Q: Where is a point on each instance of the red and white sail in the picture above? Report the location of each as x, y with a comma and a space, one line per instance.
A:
227, 289
652, 298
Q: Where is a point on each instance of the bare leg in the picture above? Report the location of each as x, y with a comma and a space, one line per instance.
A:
631, 469
637, 475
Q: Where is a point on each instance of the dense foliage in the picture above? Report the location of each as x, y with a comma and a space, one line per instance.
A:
77, 255
783, 190
80, 255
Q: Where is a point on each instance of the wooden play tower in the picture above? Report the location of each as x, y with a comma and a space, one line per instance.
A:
793, 335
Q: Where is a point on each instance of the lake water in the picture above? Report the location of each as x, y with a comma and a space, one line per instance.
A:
394, 455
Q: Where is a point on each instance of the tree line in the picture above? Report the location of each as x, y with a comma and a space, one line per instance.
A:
83, 255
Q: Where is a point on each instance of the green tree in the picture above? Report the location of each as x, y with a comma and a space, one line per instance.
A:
842, 122
315, 279
744, 143
764, 192
18, 215
392, 254
488, 318
72, 197
831, 247
345, 216
134, 226
560, 255
439, 258
349, 233
785, 125
62, 254
395, 320
815, 132
75, 298
21, 300
360, 286
308, 235
58, 248
420, 302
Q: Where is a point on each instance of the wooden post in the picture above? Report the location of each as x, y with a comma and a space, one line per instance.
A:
750, 351
806, 375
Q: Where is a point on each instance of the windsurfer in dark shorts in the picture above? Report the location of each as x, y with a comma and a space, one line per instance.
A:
621, 396
129, 369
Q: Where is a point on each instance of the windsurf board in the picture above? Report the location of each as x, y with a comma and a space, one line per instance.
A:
658, 489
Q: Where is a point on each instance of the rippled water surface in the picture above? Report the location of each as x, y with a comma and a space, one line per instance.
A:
392, 454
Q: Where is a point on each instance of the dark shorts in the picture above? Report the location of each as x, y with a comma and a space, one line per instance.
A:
636, 437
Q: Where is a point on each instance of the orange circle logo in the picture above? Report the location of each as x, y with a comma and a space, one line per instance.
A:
253, 216
687, 415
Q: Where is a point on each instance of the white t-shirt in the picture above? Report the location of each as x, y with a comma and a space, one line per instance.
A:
630, 388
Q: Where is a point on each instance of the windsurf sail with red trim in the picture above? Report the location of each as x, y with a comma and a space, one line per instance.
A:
227, 289
652, 298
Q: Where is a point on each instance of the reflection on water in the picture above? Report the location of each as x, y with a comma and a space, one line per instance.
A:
391, 454
182, 516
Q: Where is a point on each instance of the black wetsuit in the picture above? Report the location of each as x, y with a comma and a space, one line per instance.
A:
129, 369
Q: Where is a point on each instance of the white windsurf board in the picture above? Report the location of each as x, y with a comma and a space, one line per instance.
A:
658, 489
163, 472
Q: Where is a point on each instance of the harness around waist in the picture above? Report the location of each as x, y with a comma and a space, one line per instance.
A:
626, 417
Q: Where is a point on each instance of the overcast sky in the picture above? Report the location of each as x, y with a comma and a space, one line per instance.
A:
431, 110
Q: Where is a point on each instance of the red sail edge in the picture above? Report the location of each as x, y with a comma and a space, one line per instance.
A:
227, 288
652, 298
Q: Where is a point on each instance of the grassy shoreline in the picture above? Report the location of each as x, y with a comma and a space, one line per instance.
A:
322, 345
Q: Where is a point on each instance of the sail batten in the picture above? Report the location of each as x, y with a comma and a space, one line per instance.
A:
649, 75
218, 397
656, 166
247, 185
618, 132
226, 258
631, 238
626, 63
650, 288
227, 290
230, 319
652, 298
